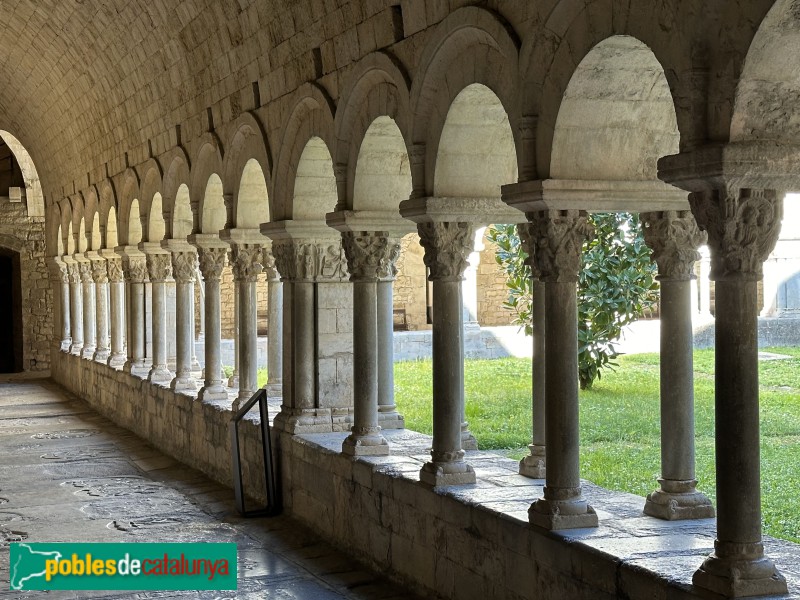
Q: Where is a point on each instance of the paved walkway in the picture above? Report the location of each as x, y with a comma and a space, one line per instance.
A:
68, 474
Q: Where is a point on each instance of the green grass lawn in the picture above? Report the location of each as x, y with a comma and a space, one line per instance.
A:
619, 417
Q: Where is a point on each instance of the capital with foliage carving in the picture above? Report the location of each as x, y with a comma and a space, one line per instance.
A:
73, 273
559, 236
58, 271
115, 274
387, 270
184, 266
528, 243
367, 253
743, 226
159, 267
212, 262
674, 237
246, 262
99, 271
85, 271
135, 269
447, 246
268, 263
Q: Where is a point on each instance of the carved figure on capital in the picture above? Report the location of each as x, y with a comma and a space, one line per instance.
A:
73, 273
447, 246
743, 226
528, 242
99, 271
135, 270
184, 266
365, 254
674, 237
159, 267
559, 236
212, 262
299, 260
58, 271
115, 273
268, 263
85, 271
246, 262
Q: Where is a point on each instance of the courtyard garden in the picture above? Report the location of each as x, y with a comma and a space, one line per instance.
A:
619, 422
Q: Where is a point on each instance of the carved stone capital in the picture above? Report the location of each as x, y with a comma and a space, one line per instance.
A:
368, 254
212, 261
115, 274
58, 271
525, 232
85, 272
268, 263
73, 273
99, 271
184, 266
159, 267
310, 260
559, 236
447, 246
674, 238
135, 269
743, 226
246, 262
387, 270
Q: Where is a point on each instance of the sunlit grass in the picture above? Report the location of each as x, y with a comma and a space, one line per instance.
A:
620, 425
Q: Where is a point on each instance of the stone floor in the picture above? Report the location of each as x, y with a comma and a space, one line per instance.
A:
68, 474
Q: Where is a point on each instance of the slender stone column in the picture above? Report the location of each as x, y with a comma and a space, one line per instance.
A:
117, 312
366, 252
198, 332
246, 268
135, 269
212, 261
233, 380
76, 307
743, 226
535, 464
674, 238
100, 278
59, 276
559, 236
89, 309
447, 246
388, 417
274, 384
159, 267
184, 266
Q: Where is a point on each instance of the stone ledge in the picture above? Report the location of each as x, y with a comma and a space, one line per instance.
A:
463, 542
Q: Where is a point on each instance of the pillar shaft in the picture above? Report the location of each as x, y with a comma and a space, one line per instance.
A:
559, 236
246, 268
100, 277
76, 309
447, 246
136, 274
304, 354
116, 313
160, 269
89, 310
184, 264
388, 417
743, 226
212, 262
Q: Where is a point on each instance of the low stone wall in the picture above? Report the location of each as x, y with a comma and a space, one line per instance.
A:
469, 542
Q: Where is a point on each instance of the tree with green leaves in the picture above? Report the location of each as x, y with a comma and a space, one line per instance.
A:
616, 285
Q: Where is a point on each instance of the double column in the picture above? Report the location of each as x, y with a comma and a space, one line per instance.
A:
59, 276
134, 267
116, 285
75, 305
559, 237
159, 269
674, 237
212, 255
89, 307
367, 256
100, 284
274, 384
184, 269
447, 246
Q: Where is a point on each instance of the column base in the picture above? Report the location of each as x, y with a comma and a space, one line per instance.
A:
468, 441
136, 369
438, 474
274, 390
75, 349
746, 572
184, 384
534, 465
678, 500
101, 355
214, 392
562, 514
88, 352
116, 360
159, 375
391, 420
365, 445
294, 421
196, 364
65, 345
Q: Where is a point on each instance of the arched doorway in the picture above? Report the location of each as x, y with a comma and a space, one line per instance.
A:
10, 312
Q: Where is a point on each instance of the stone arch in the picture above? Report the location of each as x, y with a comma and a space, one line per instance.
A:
617, 116
382, 164
375, 100
549, 59
67, 243
768, 92
177, 180
130, 232
247, 166
152, 206
108, 213
34, 197
476, 153
207, 161
314, 183
93, 222
310, 124
78, 223
471, 45
213, 214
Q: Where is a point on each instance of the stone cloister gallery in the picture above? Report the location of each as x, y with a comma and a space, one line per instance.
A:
294, 144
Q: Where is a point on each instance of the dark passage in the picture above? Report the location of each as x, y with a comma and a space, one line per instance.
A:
10, 313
